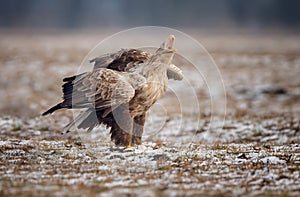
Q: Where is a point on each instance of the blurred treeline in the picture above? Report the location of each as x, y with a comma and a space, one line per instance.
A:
124, 13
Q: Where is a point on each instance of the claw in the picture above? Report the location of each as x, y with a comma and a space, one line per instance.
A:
128, 146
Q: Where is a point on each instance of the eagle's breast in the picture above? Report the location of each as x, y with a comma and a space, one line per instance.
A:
146, 96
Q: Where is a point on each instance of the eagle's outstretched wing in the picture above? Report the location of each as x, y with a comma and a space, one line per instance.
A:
122, 60
128, 59
102, 89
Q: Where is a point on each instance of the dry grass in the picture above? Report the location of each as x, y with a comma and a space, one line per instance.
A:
255, 153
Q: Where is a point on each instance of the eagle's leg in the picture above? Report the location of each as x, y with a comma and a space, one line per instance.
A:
121, 129
138, 128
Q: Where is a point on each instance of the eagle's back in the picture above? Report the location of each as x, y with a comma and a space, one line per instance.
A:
122, 60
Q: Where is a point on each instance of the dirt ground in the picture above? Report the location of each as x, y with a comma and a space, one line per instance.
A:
255, 151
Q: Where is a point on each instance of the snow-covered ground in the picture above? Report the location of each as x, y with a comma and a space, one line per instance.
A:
254, 151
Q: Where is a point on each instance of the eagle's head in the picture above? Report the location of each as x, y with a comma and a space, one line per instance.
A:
165, 52
158, 65
167, 45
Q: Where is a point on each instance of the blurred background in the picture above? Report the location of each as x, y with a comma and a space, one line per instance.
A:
255, 44
98, 14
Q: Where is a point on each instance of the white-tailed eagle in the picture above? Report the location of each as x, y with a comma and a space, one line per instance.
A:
119, 91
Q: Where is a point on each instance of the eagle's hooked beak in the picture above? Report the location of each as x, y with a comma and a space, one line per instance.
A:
170, 42
167, 46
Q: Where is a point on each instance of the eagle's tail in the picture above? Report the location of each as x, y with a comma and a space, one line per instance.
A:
68, 91
52, 109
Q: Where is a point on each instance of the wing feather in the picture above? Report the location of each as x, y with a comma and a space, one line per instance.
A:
101, 88
122, 60
104, 60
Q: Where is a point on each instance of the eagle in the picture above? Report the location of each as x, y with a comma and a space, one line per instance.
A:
119, 91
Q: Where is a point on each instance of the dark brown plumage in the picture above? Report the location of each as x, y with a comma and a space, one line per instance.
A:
119, 91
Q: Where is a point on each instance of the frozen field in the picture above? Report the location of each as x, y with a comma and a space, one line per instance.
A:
254, 152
